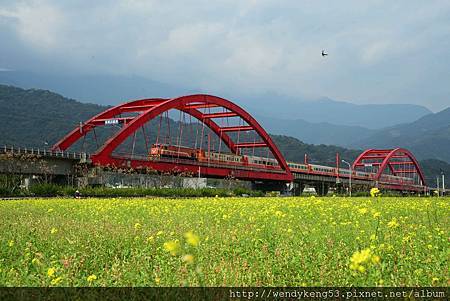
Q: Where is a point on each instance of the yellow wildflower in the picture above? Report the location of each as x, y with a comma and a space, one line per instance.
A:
361, 259
91, 278
375, 259
191, 238
374, 192
53, 230
35, 261
172, 246
188, 258
11, 243
51, 272
137, 226
279, 213
56, 281
393, 223
362, 211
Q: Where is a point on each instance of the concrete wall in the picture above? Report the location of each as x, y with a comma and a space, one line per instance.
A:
113, 179
39, 166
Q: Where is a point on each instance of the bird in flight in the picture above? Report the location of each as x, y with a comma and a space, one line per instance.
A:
324, 53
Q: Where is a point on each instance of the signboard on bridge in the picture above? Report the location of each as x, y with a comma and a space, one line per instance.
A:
367, 164
111, 121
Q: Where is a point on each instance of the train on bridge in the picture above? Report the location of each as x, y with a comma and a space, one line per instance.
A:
159, 151
200, 156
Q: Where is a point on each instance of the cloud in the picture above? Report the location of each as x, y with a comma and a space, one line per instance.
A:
38, 23
376, 47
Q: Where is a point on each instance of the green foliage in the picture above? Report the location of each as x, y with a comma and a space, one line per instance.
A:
51, 190
46, 189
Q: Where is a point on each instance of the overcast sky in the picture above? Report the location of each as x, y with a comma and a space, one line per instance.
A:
379, 51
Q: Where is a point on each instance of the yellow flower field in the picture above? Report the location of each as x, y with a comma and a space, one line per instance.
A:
298, 241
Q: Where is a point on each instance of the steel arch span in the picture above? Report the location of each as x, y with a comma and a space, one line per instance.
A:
386, 163
149, 109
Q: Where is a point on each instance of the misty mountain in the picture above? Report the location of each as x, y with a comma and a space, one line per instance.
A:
315, 133
114, 89
427, 137
372, 116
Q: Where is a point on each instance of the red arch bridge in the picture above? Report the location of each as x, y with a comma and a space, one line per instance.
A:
208, 136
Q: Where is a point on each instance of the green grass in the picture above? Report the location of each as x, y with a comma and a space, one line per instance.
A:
242, 242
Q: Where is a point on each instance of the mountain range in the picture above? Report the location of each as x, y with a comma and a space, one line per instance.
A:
114, 89
370, 116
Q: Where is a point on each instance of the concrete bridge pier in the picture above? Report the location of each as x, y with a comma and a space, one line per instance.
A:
297, 188
321, 188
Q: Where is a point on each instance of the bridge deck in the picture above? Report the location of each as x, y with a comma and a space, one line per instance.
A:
237, 170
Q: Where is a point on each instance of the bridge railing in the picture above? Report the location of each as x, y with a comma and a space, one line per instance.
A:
44, 152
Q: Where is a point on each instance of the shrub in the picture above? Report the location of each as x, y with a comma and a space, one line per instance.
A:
46, 190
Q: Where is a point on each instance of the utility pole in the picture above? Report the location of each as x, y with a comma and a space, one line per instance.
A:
350, 178
438, 186
443, 183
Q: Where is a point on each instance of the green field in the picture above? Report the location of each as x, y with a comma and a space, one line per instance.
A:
225, 242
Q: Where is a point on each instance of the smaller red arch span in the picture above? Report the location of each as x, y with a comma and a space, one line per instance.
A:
382, 159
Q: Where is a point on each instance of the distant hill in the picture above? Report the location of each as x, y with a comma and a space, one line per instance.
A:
39, 118
34, 117
114, 89
428, 137
99, 89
